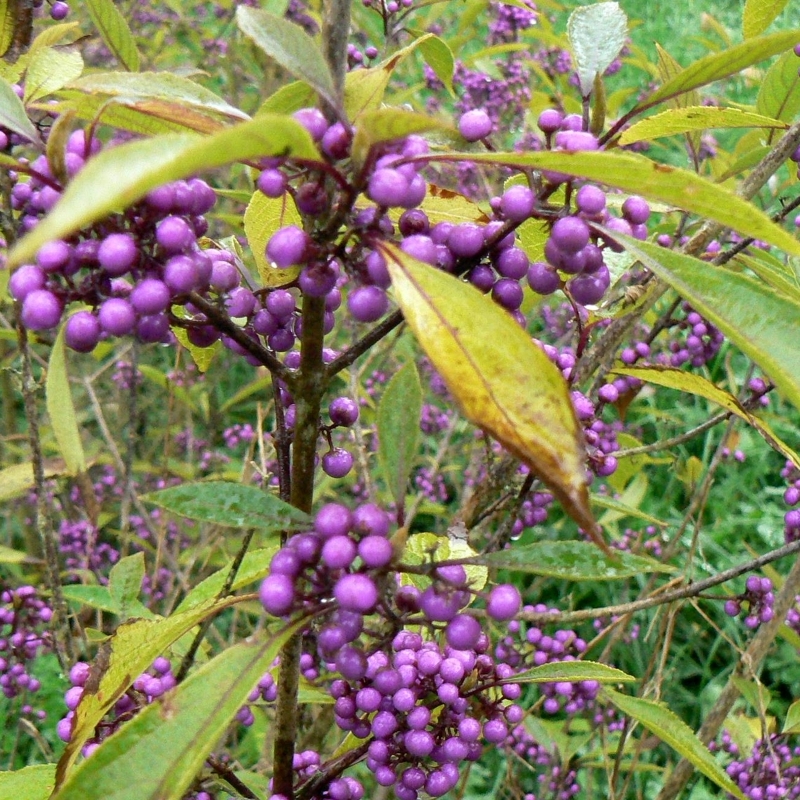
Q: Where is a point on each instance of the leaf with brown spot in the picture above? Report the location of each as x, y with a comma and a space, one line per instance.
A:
502, 380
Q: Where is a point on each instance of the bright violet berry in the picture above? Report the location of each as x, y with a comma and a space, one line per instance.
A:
289, 246
117, 253
475, 125
337, 463
82, 332
504, 602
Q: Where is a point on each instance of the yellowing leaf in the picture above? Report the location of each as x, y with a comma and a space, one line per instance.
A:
61, 409
672, 730
264, 215
716, 66
639, 175
445, 205
502, 380
386, 124
695, 118
759, 14
18, 479
182, 92
779, 93
130, 171
49, 70
120, 660
30, 783
692, 383
7, 16
158, 754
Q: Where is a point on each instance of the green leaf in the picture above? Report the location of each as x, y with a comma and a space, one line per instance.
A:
49, 70
672, 730
792, 722
18, 478
571, 561
125, 583
10, 556
623, 510
639, 175
695, 118
130, 171
8, 9
772, 271
754, 693
596, 34
572, 671
30, 783
263, 216
232, 505
422, 548
759, 321
254, 566
290, 98
440, 59
114, 30
387, 124
779, 93
691, 383
181, 92
716, 66
120, 660
61, 409
398, 429
759, 15
166, 744
504, 382
13, 115
202, 356
93, 596
290, 46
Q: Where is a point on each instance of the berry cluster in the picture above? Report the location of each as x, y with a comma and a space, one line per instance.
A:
759, 599
24, 617
772, 770
524, 647
425, 708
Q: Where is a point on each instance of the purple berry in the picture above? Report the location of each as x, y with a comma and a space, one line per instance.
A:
272, 182
387, 187
367, 303
25, 280
277, 594
117, 253
59, 10
151, 296
337, 463
570, 234
517, 203
590, 199
54, 255
174, 234
463, 632
356, 593
636, 210
82, 332
504, 602
343, 411
41, 310
542, 278
116, 316
289, 246
475, 125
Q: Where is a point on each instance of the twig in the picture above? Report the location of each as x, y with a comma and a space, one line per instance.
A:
748, 663
62, 638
